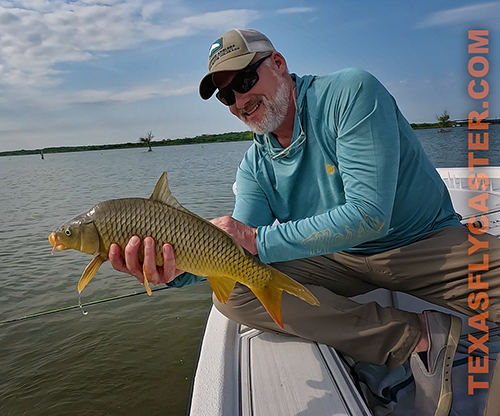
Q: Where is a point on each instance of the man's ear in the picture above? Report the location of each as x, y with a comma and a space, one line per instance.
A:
279, 62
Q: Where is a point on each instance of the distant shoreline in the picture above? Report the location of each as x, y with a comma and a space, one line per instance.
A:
205, 138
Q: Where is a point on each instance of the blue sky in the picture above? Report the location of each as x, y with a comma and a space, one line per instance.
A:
92, 72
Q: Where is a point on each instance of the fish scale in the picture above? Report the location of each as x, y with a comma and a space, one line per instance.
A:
199, 246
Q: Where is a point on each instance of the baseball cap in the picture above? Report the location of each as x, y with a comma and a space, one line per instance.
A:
233, 51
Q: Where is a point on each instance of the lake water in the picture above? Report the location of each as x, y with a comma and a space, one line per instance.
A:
130, 356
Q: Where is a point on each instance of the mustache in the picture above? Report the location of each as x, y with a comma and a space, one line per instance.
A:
252, 103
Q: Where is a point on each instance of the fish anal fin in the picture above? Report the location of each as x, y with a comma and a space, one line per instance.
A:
162, 194
222, 287
89, 272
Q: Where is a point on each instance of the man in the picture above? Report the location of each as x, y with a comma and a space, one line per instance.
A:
359, 206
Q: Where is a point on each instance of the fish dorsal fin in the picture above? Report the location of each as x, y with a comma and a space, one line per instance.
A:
162, 194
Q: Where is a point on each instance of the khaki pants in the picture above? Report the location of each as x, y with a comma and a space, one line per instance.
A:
435, 268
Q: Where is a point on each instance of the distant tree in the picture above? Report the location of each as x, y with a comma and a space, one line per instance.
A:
147, 139
443, 120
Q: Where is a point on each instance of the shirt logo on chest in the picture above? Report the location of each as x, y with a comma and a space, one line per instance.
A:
330, 169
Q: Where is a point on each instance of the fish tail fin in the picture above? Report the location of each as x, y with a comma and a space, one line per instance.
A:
294, 288
270, 296
89, 272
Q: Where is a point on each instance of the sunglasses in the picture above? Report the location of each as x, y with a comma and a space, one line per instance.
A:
243, 82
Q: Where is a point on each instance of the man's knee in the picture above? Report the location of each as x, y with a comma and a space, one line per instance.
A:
238, 308
224, 308
243, 307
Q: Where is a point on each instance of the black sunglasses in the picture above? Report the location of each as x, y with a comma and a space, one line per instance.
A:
243, 82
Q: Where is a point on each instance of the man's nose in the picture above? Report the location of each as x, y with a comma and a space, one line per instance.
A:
241, 99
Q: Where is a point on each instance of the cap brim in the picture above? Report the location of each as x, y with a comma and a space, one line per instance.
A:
207, 86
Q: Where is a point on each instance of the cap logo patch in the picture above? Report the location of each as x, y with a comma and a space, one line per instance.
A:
215, 47
220, 52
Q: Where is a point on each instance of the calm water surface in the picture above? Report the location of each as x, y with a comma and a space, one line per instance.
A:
130, 356
126, 357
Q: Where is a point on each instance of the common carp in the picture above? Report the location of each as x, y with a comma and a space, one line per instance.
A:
200, 247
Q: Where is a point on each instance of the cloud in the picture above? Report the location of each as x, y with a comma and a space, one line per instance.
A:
36, 35
291, 10
214, 20
134, 94
485, 12
39, 99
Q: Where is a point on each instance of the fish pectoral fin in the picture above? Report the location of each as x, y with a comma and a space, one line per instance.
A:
146, 280
222, 287
90, 272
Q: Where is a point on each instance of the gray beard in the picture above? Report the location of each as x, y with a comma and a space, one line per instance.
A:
276, 109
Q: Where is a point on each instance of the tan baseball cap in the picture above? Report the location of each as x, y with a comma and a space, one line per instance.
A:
233, 51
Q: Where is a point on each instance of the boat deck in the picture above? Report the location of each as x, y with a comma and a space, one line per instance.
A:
254, 373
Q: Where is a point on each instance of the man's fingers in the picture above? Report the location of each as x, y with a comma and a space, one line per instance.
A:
116, 259
169, 270
132, 258
243, 234
149, 266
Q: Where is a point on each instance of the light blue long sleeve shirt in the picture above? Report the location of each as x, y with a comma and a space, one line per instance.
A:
355, 178
360, 181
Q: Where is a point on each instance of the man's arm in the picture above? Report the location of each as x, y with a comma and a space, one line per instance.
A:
363, 117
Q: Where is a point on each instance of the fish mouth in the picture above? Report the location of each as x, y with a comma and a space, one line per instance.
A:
54, 241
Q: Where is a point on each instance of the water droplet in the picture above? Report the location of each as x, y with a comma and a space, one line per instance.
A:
84, 312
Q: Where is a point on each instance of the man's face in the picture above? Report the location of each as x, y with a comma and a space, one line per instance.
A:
264, 107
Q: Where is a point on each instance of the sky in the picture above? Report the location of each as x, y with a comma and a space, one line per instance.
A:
95, 72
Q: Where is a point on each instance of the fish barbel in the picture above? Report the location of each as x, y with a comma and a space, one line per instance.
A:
200, 247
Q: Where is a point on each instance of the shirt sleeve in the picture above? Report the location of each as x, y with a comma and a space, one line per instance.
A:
251, 206
185, 279
363, 116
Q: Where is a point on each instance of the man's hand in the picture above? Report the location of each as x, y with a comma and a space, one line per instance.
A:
131, 264
243, 234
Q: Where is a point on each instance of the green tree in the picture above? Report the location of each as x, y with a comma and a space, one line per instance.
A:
444, 120
147, 139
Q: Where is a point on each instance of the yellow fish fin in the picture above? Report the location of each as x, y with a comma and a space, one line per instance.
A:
222, 287
162, 194
146, 283
291, 286
270, 296
89, 272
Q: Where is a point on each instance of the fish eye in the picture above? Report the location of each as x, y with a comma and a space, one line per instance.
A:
67, 232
